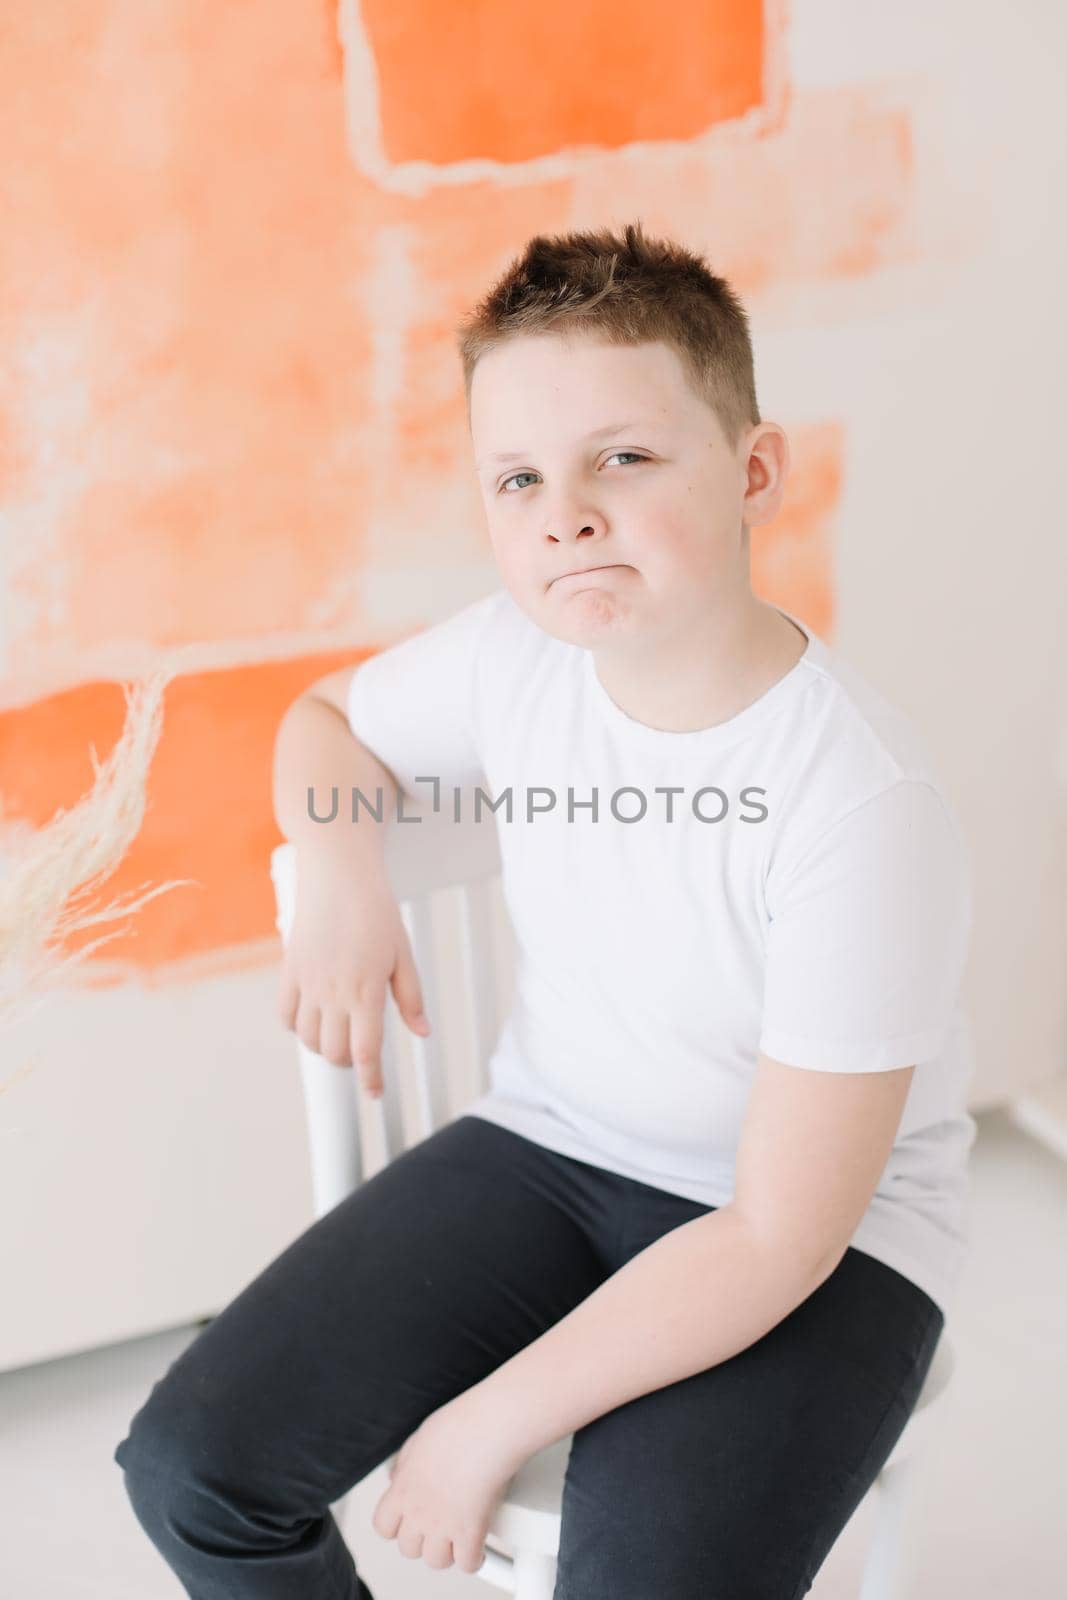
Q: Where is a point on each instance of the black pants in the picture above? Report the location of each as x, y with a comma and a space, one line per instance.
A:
731, 1484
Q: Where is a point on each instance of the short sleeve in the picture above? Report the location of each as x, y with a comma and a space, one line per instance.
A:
868, 938
413, 704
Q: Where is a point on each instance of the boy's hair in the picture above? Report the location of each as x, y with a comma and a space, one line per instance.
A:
624, 289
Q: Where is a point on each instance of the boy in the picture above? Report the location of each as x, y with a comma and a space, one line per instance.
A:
708, 1216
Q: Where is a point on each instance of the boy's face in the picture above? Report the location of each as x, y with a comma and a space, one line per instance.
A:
657, 497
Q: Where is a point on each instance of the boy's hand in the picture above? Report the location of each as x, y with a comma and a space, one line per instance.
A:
348, 945
445, 1484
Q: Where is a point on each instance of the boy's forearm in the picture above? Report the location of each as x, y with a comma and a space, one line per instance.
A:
316, 750
695, 1297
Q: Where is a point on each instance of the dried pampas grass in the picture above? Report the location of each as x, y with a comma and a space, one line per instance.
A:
48, 874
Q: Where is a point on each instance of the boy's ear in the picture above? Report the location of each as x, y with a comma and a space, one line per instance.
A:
767, 468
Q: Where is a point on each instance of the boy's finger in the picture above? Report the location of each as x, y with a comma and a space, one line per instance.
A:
366, 1058
288, 1001
407, 993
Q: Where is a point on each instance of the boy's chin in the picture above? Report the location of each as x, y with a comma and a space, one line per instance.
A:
588, 619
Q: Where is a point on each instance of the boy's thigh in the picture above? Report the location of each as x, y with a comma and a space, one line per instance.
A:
734, 1483
431, 1274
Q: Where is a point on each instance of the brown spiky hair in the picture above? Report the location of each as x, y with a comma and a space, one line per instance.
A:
624, 289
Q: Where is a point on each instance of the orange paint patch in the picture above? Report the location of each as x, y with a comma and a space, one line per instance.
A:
482, 80
184, 393
209, 812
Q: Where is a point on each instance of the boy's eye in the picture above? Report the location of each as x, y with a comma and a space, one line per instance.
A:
504, 485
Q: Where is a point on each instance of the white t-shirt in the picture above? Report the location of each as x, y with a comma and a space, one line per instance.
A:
805, 893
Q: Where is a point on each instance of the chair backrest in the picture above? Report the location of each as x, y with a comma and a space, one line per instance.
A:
446, 877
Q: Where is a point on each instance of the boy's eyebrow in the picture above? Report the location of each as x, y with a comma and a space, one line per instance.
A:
609, 427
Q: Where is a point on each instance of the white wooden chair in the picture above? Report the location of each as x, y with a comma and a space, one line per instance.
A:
446, 878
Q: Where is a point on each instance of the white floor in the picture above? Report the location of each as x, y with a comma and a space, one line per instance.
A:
993, 1510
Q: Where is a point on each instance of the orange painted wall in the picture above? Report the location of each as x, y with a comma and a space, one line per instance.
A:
230, 389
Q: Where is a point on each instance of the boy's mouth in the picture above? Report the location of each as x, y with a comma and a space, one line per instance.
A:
580, 572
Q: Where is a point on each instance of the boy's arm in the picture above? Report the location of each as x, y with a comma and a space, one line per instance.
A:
315, 749
813, 1147
397, 720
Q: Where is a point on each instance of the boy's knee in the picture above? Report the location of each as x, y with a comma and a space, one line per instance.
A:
179, 1486
153, 1469
149, 1492
170, 1442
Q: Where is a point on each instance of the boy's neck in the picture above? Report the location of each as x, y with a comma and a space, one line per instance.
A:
687, 684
